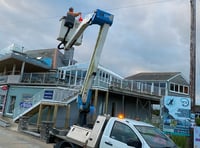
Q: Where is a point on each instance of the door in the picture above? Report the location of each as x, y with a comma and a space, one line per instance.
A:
121, 136
12, 104
2, 102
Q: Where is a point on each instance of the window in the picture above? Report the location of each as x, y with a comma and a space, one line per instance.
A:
62, 74
149, 86
162, 89
123, 133
186, 90
12, 104
179, 88
156, 89
176, 87
154, 137
79, 78
142, 86
138, 85
172, 87
162, 85
107, 77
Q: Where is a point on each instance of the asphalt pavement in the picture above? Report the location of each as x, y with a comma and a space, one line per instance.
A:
15, 139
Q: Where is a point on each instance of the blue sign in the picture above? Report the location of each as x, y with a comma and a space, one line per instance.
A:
176, 115
48, 94
25, 104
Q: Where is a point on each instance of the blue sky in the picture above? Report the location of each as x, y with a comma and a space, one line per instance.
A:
146, 35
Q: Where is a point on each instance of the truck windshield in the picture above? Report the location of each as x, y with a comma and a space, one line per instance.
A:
155, 137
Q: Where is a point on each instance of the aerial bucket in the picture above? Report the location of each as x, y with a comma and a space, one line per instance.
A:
64, 30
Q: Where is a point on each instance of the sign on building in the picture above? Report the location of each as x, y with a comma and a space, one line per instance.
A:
175, 115
48, 94
26, 101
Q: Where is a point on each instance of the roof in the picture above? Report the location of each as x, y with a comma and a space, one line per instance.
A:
18, 58
84, 66
41, 52
153, 76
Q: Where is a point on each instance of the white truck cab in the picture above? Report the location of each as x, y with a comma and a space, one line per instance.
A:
130, 133
114, 132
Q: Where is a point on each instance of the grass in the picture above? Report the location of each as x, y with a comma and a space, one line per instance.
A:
181, 141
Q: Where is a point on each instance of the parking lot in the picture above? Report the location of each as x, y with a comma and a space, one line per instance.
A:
14, 139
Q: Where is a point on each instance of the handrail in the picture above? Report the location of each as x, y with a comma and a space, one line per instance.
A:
27, 105
59, 95
98, 82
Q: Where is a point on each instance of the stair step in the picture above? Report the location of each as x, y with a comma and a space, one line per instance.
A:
4, 123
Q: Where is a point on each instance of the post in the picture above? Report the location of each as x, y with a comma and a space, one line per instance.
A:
193, 54
190, 141
55, 114
67, 120
48, 113
14, 69
22, 70
39, 116
123, 105
106, 103
95, 104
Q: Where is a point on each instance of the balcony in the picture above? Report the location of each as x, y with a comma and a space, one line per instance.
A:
73, 81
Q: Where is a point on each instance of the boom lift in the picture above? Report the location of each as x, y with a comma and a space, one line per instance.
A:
104, 20
107, 131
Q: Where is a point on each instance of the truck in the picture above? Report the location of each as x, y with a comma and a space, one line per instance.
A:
107, 131
115, 132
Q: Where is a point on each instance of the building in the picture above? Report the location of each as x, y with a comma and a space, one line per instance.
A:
43, 85
162, 83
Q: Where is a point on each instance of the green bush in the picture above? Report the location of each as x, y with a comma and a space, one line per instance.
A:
181, 141
197, 121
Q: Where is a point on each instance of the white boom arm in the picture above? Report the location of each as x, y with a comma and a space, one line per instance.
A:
105, 20
94, 61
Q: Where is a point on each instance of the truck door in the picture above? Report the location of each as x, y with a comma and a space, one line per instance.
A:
121, 136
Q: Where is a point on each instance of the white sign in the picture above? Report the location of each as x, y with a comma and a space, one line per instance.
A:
196, 137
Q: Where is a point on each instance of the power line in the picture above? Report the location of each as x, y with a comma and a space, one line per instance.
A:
109, 9
142, 4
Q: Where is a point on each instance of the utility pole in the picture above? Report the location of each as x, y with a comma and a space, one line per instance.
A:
192, 89
193, 54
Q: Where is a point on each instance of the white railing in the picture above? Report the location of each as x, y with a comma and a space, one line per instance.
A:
77, 82
26, 106
58, 95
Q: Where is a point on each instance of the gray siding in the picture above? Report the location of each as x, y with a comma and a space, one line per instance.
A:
179, 80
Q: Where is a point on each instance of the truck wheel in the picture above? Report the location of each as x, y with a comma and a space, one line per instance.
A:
63, 144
